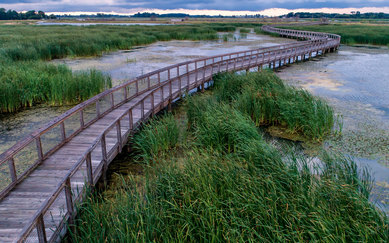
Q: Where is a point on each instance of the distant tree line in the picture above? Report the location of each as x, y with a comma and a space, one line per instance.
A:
353, 15
171, 15
32, 14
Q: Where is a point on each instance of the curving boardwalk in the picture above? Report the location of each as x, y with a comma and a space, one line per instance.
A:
43, 176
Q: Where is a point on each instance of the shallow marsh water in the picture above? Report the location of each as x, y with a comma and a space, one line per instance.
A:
355, 81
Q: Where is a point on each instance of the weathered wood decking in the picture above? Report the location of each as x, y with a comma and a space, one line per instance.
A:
44, 175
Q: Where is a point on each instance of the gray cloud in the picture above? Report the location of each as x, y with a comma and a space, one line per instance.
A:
122, 5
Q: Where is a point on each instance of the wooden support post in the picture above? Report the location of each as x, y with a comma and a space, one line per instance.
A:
125, 93
105, 159
112, 101
119, 136
82, 123
12, 170
142, 109
130, 120
69, 200
39, 148
63, 134
40, 228
98, 108
89, 170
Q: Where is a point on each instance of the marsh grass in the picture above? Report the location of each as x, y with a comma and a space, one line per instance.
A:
230, 185
157, 137
244, 30
24, 84
270, 102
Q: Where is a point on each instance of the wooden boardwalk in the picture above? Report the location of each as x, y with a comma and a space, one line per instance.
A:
44, 175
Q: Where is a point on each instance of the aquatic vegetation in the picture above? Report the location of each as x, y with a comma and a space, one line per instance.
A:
353, 33
158, 136
24, 84
230, 185
268, 101
244, 30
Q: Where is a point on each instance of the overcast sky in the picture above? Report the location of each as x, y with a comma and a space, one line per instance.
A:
131, 6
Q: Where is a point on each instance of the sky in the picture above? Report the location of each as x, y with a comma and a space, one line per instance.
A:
210, 7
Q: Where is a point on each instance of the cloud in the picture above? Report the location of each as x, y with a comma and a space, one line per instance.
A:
129, 6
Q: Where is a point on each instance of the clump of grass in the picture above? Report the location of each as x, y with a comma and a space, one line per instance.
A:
24, 84
156, 138
270, 102
244, 30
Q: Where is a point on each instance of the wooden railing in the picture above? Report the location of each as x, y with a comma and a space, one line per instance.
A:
158, 88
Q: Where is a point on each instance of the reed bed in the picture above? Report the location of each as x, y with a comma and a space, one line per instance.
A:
228, 184
157, 137
24, 84
270, 102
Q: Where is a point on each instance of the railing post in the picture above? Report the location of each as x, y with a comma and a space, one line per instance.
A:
119, 136
82, 119
98, 108
40, 228
131, 122
89, 169
39, 148
69, 200
152, 103
148, 82
159, 78
142, 108
125, 93
196, 72
12, 170
105, 158
63, 133
112, 101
